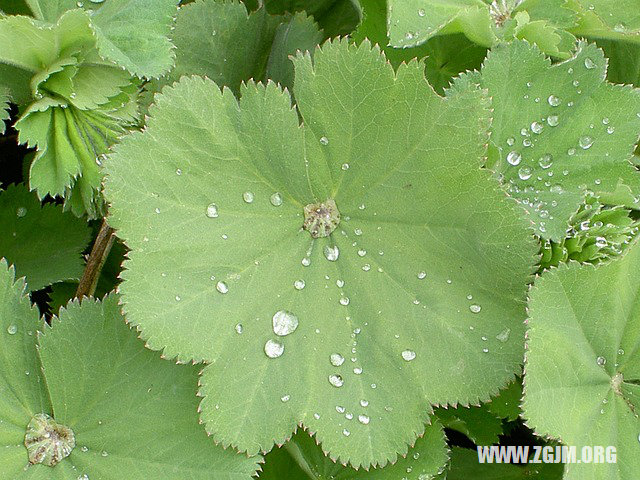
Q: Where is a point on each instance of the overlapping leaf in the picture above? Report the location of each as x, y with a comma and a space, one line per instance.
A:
43, 243
132, 414
583, 365
431, 257
302, 459
559, 132
219, 39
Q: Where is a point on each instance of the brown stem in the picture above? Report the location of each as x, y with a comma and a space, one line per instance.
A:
97, 257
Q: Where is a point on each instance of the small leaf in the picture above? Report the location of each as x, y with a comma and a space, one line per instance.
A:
131, 413
429, 256
44, 244
583, 365
559, 131
301, 458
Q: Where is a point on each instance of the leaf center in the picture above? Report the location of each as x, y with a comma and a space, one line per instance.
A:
320, 219
47, 441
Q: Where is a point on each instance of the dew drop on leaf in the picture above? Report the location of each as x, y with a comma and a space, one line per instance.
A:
299, 284
284, 323
324, 140
524, 173
408, 355
357, 370
545, 161
585, 142
346, 432
363, 419
21, 212
273, 349
331, 253
475, 308
364, 403
421, 12
285, 398
362, 252
345, 166
514, 158
12, 329
536, 127
212, 211
238, 328
589, 64
422, 275
306, 261
336, 359
553, 100
336, 380
276, 199
553, 120
601, 361
344, 301
503, 336
248, 197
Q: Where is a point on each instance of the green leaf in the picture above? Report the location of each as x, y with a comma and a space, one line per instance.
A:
464, 465
222, 41
624, 61
445, 56
135, 34
50, 10
42, 242
583, 364
14, 7
477, 423
507, 403
132, 413
605, 19
559, 131
218, 207
302, 459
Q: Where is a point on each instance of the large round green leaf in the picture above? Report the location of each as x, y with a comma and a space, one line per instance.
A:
416, 298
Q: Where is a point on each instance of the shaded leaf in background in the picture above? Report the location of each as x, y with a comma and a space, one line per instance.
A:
133, 414
559, 131
624, 61
302, 459
43, 243
446, 55
431, 257
477, 423
583, 364
222, 41
507, 403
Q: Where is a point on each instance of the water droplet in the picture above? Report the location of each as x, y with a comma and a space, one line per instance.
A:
601, 361
248, 197
475, 308
299, 284
514, 158
408, 355
620, 351
276, 199
524, 173
212, 211
324, 140
12, 329
585, 142
178, 171
345, 166
331, 253
611, 129
336, 380
362, 252
536, 127
571, 151
503, 336
222, 287
422, 275
589, 64
553, 100
273, 349
284, 323
305, 262
366, 267
364, 403
21, 212
336, 359
178, 298
346, 432
601, 242
364, 419
511, 141
316, 416
285, 398
239, 328
485, 350
357, 370
545, 161
344, 301
421, 12
552, 120
104, 453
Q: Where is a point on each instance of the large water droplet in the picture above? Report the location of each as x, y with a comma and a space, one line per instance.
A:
331, 253
585, 142
212, 211
276, 199
299, 284
553, 100
273, 349
222, 287
589, 64
336, 359
363, 419
475, 308
514, 158
536, 127
553, 120
336, 380
408, 355
284, 323
248, 197
12, 329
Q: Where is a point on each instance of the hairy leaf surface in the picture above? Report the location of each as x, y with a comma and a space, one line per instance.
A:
583, 364
131, 412
430, 257
559, 131
42, 242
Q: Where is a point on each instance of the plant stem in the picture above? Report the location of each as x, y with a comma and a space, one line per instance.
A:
97, 257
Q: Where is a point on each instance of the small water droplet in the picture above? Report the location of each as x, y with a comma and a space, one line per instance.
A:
324, 140
511, 141
276, 199
408, 355
601, 361
553, 100
422, 275
421, 12
285, 398
536, 127
475, 308
571, 152
553, 120
248, 197
524, 173
239, 328
601, 242
485, 350
316, 416
585, 142
178, 298
336, 380
363, 419
589, 64
336, 359
611, 129
212, 211
21, 212
178, 171
104, 453
362, 252
299, 284
514, 158
364, 403
284, 323
357, 370
331, 253
345, 166
12, 329
222, 287
545, 161
273, 349
503, 336
305, 262
346, 432
344, 301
